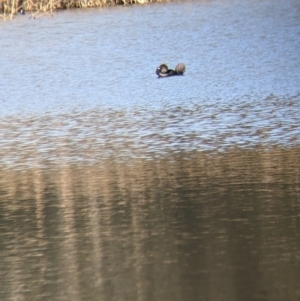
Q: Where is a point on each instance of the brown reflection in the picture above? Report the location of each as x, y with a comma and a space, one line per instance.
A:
191, 226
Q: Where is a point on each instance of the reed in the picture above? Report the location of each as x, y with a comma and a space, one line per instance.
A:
9, 8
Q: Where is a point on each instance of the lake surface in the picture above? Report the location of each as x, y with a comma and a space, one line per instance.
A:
117, 185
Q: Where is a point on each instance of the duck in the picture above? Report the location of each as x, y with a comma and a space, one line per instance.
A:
163, 70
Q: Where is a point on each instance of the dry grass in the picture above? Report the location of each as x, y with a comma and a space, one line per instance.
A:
8, 8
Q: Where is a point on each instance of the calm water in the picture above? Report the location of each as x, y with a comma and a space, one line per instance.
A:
116, 185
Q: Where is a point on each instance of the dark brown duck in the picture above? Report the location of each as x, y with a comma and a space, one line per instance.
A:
164, 71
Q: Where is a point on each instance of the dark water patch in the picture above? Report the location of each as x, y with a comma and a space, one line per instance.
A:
186, 227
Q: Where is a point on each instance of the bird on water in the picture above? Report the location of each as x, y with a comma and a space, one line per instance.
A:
163, 70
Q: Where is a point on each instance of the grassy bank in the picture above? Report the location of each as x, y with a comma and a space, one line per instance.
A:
8, 8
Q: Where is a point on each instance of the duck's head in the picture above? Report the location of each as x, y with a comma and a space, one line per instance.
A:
162, 70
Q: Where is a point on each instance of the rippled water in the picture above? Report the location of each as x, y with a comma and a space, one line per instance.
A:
116, 185
139, 133
88, 77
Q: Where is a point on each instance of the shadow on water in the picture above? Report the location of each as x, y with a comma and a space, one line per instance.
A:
194, 226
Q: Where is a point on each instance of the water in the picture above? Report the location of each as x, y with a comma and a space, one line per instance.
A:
116, 185
240, 50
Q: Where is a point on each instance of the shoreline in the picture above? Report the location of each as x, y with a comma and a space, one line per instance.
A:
35, 8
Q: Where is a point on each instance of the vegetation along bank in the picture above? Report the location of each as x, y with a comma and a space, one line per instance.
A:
9, 8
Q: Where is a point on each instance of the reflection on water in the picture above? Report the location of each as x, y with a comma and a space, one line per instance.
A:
190, 227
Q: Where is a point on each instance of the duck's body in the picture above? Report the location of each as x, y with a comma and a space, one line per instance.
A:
164, 71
